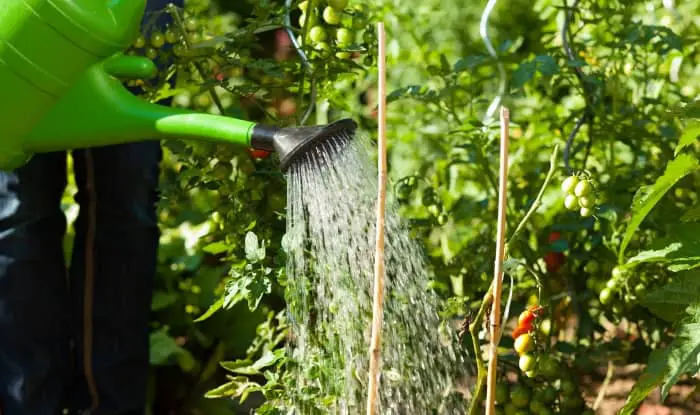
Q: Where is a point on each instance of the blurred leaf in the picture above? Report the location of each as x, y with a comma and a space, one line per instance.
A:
254, 252
163, 348
690, 135
162, 299
670, 301
215, 248
469, 62
546, 65
524, 73
648, 196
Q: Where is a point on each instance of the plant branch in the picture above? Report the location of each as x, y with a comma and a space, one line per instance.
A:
604, 386
538, 200
480, 366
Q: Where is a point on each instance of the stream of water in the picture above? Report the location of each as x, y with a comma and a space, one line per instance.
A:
331, 215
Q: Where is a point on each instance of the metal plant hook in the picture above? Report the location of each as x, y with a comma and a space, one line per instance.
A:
304, 60
483, 31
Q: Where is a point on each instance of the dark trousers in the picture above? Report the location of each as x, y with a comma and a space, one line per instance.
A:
78, 337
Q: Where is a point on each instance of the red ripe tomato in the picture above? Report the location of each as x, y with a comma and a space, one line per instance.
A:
258, 154
554, 261
554, 236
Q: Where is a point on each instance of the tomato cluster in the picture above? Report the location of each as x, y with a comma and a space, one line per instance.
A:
333, 26
524, 343
579, 195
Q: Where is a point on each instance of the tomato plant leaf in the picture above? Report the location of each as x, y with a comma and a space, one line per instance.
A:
469, 62
211, 310
215, 248
524, 73
163, 348
546, 65
652, 376
670, 301
684, 354
690, 135
254, 250
237, 386
648, 196
680, 250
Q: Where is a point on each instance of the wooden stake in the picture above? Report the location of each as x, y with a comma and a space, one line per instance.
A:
378, 298
498, 269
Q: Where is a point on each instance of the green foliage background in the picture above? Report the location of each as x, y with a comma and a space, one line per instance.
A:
631, 73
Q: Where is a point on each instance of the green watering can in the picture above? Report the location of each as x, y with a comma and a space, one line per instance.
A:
60, 65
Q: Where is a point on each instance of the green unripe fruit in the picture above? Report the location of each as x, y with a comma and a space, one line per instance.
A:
317, 34
618, 273
586, 212
527, 362
151, 53
157, 40
583, 188
571, 202
605, 296
343, 37
139, 42
331, 16
501, 393
171, 36
523, 343
520, 396
586, 202
338, 4
569, 184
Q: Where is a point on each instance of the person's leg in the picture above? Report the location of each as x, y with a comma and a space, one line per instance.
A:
112, 274
34, 332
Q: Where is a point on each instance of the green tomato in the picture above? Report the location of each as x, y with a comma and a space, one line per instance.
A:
501, 393
571, 202
191, 24
586, 202
536, 406
343, 37
640, 289
549, 367
618, 273
338, 4
612, 284
592, 266
567, 387
151, 53
549, 394
586, 212
523, 344
318, 34
583, 188
605, 296
171, 36
527, 362
520, 396
569, 184
222, 170
343, 55
139, 42
331, 15
510, 409
157, 40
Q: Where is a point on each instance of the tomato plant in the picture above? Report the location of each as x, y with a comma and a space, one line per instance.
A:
602, 233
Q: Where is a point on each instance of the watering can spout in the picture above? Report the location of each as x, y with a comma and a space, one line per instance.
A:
100, 111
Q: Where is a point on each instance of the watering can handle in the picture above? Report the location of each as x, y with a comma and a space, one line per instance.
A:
129, 67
